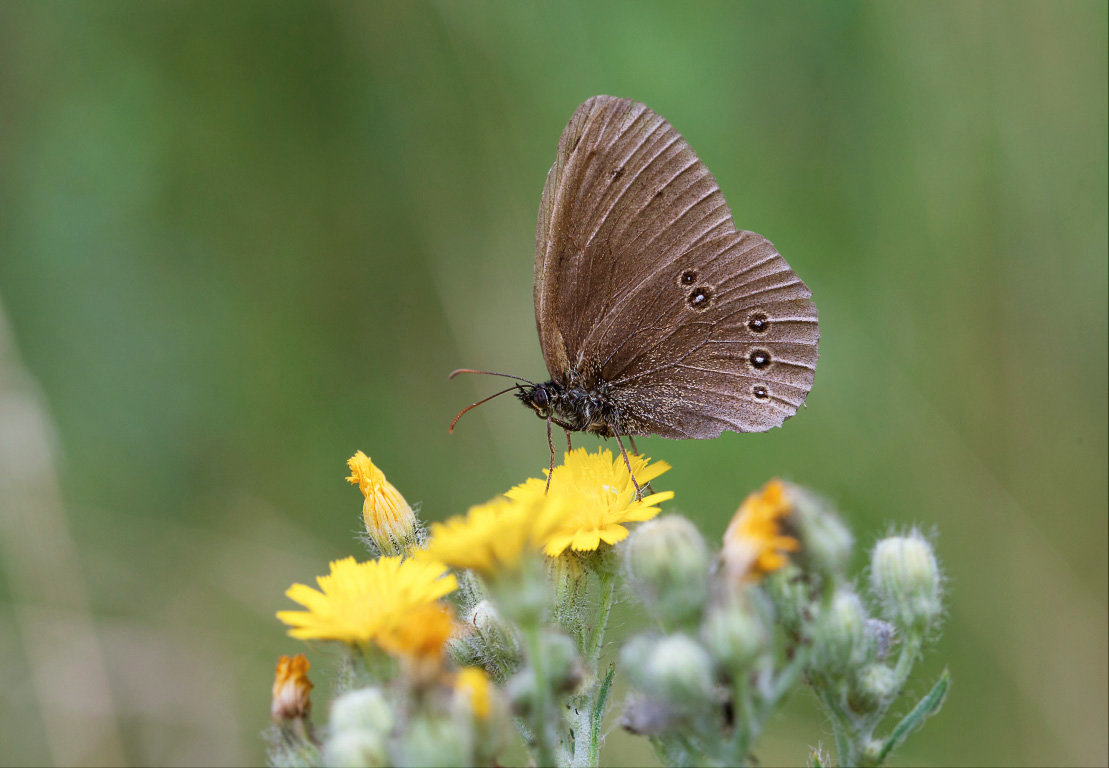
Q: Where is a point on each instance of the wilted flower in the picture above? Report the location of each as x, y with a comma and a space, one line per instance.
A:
390, 522
291, 688
359, 602
598, 493
755, 543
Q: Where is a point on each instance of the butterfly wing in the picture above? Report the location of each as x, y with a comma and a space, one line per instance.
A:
645, 289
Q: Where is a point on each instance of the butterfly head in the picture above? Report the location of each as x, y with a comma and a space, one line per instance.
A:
541, 398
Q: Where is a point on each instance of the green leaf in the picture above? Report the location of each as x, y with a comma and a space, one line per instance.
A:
924, 709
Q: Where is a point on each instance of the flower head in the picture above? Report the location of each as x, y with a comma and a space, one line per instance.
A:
390, 522
493, 537
754, 543
421, 633
291, 687
598, 493
474, 683
359, 602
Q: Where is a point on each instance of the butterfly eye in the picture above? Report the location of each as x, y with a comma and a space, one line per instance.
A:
758, 323
759, 359
539, 397
760, 392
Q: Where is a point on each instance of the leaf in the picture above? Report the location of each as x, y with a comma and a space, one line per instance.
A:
924, 709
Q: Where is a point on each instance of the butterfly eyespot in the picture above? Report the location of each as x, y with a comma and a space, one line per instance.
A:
616, 173
759, 359
758, 323
700, 298
760, 392
689, 277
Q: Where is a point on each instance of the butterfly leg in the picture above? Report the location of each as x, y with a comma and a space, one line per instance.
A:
569, 447
550, 444
627, 462
632, 441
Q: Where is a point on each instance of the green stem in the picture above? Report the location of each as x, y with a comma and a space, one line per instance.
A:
544, 740
597, 636
590, 704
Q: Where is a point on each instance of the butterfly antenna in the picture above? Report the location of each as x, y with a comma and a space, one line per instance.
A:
488, 373
475, 405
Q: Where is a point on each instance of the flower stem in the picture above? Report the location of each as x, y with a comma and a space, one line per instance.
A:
544, 740
597, 636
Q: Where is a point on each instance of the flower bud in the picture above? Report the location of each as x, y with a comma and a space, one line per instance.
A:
826, 543
666, 563
874, 689
498, 638
737, 630
839, 638
906, 579
290, 689
521, 692
645, 716
881, 635
390, 521
431, 740
791, 596
674, 669
363, 710
355, 749
564, 665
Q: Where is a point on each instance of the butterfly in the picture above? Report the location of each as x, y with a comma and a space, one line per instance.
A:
656, 316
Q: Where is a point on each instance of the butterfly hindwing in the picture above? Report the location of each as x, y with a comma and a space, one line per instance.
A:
644, 287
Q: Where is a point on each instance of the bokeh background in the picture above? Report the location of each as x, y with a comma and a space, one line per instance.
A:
239, 241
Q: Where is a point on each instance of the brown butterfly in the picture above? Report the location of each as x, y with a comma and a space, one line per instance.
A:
655, 315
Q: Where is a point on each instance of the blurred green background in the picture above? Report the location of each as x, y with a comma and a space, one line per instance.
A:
239, 241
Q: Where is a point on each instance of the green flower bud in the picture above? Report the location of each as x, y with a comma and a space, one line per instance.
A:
737, 630
666, 563
826, 543
435, 741
498, 638
674, 669
839, 637
521, 692
875, 687
645, 716
563, 662
355, 749
906, 579
364, 710
791, 597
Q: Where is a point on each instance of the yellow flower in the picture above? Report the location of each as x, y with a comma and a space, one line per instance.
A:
389, 520
598, 493
291, 688
420, 633
754, 543
493, 537
474, 683
358, 602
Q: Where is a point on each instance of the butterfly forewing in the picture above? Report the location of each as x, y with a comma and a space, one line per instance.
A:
644, 287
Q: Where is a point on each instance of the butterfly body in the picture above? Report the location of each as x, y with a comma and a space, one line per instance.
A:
577, 408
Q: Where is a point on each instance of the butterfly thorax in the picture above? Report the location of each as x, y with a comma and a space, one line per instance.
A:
577, 408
